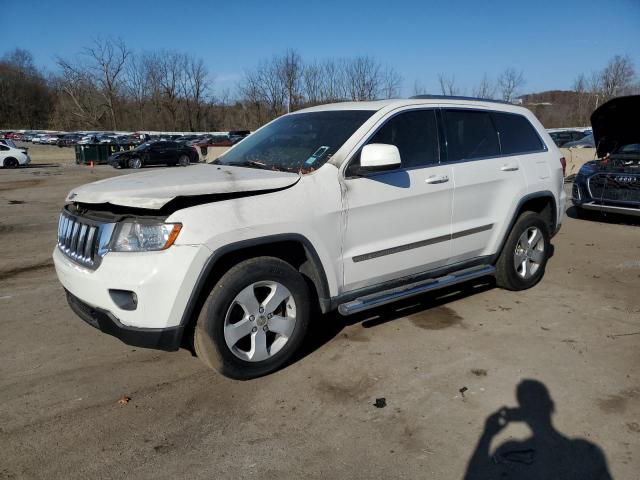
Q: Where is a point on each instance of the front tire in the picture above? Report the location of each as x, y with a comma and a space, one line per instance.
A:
525, 254
11, 163
255, 319
135, 163
183, 161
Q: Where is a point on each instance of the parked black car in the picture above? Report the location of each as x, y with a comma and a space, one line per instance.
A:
70, 139
562, 137
612, 183
155, 153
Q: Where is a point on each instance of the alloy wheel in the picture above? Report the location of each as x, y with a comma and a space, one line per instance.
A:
529, 253
260, 321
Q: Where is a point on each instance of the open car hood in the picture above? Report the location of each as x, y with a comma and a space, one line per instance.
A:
153, 189
615, 123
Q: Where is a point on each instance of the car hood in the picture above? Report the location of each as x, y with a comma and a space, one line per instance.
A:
615, 123
155, 188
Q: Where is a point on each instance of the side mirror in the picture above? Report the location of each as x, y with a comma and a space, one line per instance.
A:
379, 156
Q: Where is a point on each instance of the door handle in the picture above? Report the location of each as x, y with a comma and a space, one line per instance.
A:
510, 167
437, 179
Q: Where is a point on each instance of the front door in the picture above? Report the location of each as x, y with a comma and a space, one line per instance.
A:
398, 223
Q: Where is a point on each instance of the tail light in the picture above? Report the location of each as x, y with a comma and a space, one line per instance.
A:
563, 162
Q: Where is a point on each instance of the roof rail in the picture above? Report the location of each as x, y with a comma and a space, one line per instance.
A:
456, 97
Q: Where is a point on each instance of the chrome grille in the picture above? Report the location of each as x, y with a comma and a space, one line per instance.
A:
83, 241
615, 187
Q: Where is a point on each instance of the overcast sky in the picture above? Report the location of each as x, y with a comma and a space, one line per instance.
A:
550, 41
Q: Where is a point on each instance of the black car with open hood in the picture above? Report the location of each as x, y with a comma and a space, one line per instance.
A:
612, 183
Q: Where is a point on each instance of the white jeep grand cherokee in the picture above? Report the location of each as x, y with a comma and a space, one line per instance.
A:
346, 206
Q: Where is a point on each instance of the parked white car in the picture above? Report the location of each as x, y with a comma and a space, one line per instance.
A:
337, 207
50, 140
12, 157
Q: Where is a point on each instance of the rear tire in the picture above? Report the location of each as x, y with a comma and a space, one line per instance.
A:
183, 161
525, 254
236, 338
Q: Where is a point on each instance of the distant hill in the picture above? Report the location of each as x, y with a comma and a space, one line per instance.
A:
561, 97
555, 108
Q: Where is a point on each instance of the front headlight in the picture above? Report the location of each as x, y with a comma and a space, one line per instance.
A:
144, 237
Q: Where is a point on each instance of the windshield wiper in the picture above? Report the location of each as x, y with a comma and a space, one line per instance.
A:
256, 164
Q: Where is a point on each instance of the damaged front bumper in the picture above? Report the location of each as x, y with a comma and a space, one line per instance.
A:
168, 339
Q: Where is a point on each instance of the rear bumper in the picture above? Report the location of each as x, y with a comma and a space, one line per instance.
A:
158, 338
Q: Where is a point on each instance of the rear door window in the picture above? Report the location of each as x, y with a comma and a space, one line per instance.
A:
470, 134
517, 135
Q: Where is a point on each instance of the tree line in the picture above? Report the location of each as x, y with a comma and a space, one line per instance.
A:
108, 86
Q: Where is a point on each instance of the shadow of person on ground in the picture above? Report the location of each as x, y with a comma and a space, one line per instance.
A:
547, 454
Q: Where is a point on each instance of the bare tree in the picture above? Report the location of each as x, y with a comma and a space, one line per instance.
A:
334, 84
448, 85
312, 81
26, 97
419, 88
86, 103
289, 67
138, 85
196, 83
617, 77
485, 89
363, 78
107, 60
264, 85
390, 83
509, 83
171, 72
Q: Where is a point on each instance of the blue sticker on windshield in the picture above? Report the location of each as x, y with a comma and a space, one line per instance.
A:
317, 155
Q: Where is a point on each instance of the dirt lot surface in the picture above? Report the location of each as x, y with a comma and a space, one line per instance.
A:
443, 365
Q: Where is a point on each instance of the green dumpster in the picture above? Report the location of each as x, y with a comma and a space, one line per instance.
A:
98, 153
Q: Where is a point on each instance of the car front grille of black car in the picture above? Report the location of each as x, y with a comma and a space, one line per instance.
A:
615, 187
82, 240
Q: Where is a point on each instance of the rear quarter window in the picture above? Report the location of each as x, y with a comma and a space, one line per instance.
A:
470, 134
517, 135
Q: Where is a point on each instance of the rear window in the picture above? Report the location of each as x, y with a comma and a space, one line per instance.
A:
470, 134
517, 135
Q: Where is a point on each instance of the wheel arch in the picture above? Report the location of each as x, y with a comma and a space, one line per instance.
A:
292, 248
543, 202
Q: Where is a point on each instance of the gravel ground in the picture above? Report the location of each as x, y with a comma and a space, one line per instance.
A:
444, 364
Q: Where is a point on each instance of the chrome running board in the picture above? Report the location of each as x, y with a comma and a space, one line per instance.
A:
388, 296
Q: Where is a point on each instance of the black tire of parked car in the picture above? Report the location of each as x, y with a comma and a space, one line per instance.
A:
183, 161
135, 162
209, 342
11, 162
506, 276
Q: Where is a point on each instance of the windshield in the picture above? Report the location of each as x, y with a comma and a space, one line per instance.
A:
142, 146
301, 142
633, 148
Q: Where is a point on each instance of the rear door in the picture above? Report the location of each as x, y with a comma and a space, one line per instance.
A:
170, 155
398, 222
487, 184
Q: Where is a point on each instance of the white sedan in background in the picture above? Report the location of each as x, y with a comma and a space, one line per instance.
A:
11, 157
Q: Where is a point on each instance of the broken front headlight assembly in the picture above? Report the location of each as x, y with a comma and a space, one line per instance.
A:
144, 237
